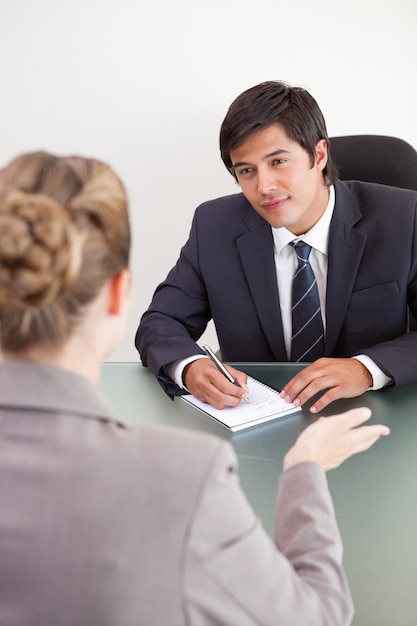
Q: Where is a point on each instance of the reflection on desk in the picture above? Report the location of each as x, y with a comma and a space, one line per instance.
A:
375, 493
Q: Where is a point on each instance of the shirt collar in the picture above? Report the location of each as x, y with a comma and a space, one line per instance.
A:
317, 237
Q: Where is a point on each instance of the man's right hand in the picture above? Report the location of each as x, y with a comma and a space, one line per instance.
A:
206, 383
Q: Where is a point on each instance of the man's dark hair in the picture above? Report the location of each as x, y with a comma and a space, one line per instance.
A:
275, 102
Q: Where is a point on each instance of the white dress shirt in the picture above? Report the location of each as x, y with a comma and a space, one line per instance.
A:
285, 263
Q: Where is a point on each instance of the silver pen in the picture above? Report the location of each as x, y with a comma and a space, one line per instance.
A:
219, 365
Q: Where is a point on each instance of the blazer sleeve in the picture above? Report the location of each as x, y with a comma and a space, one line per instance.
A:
177, 316
234, 574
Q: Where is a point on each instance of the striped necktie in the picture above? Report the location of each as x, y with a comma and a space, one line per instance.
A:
307, 342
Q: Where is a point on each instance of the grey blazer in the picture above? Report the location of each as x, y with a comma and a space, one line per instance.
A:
226, 271
104, 525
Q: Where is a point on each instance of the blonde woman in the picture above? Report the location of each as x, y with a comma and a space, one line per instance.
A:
101, 524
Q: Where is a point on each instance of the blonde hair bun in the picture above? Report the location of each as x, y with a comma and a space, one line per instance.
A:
40, 251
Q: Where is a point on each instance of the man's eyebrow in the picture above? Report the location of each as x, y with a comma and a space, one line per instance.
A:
267, 156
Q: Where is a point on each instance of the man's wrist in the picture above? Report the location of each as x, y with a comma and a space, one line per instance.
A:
175, 369
379, 378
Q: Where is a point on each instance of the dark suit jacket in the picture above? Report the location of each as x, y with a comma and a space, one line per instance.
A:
226, 271
107, 525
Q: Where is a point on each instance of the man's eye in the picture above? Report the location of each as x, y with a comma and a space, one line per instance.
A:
245, 171
278, 161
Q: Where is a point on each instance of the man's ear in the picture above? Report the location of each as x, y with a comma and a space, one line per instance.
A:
321, 154
119, 291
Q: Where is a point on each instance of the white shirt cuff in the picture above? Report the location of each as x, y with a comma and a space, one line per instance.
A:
380, 379
175, 369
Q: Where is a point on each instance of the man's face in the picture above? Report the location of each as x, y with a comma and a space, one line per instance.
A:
275, 175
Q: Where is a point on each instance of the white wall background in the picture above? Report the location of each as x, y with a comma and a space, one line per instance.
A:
145, 86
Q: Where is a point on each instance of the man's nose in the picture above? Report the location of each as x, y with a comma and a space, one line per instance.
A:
267, 182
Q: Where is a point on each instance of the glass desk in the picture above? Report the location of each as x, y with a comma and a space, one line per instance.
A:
375, 493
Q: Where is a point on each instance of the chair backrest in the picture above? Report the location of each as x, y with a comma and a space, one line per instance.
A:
375, 159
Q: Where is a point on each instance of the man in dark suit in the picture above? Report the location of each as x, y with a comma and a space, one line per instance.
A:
238, 264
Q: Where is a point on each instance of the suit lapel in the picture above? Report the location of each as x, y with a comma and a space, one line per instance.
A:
256, 249
345, 251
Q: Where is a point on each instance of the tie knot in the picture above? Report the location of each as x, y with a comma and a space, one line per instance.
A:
302, 249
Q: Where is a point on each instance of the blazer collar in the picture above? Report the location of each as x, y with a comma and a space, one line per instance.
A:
31, 386
256, 249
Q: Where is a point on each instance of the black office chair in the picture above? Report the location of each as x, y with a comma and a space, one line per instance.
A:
375, 159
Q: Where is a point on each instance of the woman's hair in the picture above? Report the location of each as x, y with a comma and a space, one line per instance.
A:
64, 231
275, 102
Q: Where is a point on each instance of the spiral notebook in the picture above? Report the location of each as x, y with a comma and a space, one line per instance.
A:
265, 404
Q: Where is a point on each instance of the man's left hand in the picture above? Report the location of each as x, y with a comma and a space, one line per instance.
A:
342, 378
